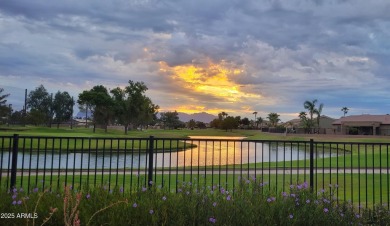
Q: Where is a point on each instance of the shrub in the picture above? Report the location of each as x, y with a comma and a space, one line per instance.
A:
251, 203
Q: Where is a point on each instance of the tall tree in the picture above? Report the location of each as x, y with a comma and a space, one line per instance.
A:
306, 123
191, 124
230, 123
85, 102
62, 107
245, 121
39, 103
4, 109
345, 110
318, 112
311, 107
170, 119
131, 106
100, 103
255, 113
224, 114
273, 119
259, 121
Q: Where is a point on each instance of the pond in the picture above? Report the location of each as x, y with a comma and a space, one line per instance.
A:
207, 152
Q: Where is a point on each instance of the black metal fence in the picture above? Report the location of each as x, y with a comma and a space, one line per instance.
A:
355, 172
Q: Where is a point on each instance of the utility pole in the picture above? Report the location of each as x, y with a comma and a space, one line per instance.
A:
25, 108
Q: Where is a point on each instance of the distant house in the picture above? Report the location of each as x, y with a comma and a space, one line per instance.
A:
363, 125
81, 122
325, 125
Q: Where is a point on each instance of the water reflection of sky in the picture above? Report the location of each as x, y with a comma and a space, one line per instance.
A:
206, 153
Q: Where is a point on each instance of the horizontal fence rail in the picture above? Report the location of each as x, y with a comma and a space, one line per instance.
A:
353, 172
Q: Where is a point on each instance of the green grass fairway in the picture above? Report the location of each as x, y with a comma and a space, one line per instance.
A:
182, 133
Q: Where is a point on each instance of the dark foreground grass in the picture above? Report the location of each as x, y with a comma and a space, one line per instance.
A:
251, 203
365, 190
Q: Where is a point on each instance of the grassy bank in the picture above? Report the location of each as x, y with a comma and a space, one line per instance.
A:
364, 190
250, 204
183, 133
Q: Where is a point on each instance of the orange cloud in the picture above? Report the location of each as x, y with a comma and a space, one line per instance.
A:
211, 79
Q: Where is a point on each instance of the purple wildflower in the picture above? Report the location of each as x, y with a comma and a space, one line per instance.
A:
14, 196
271, 199
35, 190
223, 191
299, 187
14, 190
284, 194
308, 201
144, 189
357, 216
326, 210
228, 197
187, 193
293, 195
21, 190
121, 190
164, 198
305, 185
212, 220
151, 211
291, 216
19, 202
135, 205
179, 190
214, 204
88, 196
14, 202
292, 186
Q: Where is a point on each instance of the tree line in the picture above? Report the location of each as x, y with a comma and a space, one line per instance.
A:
129, 106
125, 106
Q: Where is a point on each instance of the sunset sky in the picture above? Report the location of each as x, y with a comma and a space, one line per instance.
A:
204, 55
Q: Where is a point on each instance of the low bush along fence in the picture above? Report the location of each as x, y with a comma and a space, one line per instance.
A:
356, 173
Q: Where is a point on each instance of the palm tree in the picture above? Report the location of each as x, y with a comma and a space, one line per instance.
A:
344, 110
318, 112
302, 115
255, 113
311, 107
273, 118
224, 114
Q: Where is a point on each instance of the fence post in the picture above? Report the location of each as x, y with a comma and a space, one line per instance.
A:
150, 165
14, 160
311, 165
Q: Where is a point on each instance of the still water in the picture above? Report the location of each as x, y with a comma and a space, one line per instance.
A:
206, 152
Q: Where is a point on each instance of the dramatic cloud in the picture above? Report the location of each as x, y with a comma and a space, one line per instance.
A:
224, 55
